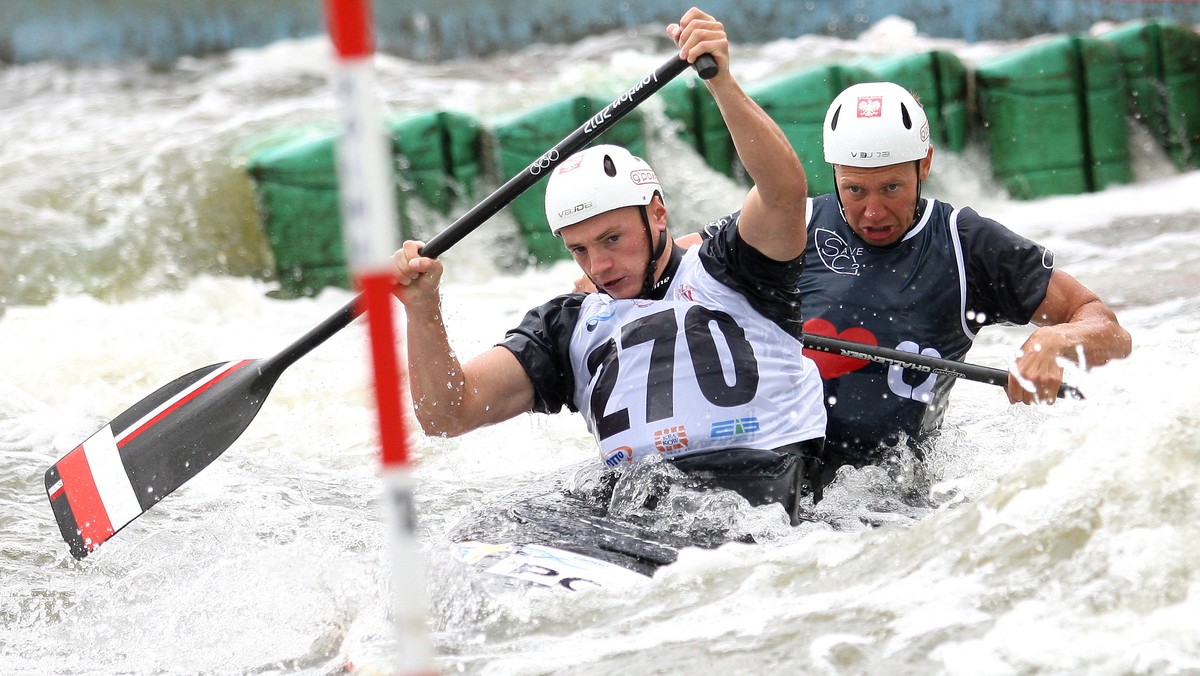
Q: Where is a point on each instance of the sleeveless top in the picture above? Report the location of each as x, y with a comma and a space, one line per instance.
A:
715, 364
952, 273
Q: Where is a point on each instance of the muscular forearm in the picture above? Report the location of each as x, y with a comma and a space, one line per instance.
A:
436, 378
1073, 324
1091, 337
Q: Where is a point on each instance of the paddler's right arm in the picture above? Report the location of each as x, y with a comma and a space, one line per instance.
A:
450, 398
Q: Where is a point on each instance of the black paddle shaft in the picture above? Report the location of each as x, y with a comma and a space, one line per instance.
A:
919, 362
705, 66
598, 124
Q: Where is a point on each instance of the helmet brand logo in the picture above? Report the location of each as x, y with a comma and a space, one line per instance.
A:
577, 208
870, 106
643, 176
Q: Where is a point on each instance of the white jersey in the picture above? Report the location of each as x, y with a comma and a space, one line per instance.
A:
678, 377
701, 369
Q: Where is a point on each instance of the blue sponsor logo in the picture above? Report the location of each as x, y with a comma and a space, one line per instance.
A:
737, 427
623, 453
595, 320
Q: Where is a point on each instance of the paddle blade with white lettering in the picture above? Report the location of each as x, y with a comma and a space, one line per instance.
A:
151, 449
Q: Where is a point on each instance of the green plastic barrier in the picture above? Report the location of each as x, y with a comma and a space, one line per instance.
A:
438, 154
798, 102
437, 158
523, 137
939, 81
687, 101
296, 184
1055, 117
1162, 67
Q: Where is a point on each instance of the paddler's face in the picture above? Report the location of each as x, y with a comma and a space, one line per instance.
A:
880, 201
611, 247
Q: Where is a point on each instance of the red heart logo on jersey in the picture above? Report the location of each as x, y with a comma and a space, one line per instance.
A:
835, 365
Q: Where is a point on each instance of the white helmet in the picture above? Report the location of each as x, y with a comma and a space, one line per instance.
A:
875, 124
596, 180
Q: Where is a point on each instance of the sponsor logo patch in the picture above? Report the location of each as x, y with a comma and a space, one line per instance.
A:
837, 254
594, 320
671, 439
618, 455
737, 427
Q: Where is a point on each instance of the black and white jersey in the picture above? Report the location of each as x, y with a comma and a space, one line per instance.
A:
716, 364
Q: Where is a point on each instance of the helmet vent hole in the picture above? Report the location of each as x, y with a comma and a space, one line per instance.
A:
609, 167
905, 117
834, 121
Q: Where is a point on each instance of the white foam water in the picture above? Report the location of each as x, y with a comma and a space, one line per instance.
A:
1061, 538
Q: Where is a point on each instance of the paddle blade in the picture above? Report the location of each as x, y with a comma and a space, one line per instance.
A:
151, 449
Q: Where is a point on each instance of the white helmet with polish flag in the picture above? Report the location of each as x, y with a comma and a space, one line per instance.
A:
875, 124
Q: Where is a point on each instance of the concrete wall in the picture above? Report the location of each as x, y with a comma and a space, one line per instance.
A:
92, 31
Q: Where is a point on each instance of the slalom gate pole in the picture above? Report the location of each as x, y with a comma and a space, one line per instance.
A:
369, 219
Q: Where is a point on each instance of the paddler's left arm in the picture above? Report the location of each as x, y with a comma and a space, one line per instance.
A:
1074, 324
772, 219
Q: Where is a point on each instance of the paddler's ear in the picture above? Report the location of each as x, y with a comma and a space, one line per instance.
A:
926, 165
656, 212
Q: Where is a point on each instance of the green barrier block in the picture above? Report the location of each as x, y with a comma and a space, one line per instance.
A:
798, 102
439, 156
305, 237
296, 184
687, 101
437, 159
523, 137
939, 81
1055, 117
302, 157
1161, 62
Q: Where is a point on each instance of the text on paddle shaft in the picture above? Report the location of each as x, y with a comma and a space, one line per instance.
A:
605, 116
598, 122
661, 331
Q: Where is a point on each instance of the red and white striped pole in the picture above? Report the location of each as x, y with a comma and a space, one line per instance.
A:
369, 225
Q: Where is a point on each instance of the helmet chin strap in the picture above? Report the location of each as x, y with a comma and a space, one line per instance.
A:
656, 252
920, 184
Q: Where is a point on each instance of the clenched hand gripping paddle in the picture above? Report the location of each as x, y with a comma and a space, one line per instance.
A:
161, 442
